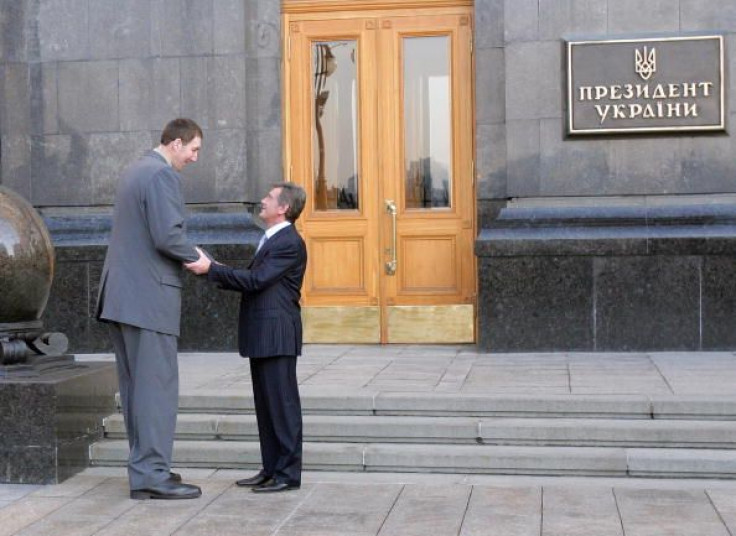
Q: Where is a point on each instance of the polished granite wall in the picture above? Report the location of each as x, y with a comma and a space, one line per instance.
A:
608, 279
49, 421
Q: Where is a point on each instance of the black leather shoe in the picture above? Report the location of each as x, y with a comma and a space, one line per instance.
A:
168, 489
272, 486
256, 480
176, 477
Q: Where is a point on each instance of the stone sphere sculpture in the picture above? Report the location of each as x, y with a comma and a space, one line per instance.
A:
26, 262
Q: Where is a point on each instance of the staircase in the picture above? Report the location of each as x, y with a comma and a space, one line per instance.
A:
584, 435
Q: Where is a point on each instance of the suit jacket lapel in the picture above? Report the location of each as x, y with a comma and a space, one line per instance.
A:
267, 244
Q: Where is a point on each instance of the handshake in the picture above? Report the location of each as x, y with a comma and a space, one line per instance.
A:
202, 265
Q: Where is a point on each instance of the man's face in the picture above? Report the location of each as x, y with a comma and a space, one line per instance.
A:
182, 155
271, 213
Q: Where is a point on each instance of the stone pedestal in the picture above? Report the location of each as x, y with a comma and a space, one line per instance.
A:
48, 421
51, 408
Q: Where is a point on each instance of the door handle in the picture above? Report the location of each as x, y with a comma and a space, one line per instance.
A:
393, 263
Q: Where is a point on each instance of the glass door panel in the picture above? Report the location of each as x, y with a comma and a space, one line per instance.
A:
427, 122
335, 141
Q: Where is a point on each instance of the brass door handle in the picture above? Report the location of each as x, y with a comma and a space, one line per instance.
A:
393, 263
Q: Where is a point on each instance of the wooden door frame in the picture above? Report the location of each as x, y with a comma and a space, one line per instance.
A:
295, 11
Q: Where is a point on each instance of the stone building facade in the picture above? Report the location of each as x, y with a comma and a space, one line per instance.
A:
617, 242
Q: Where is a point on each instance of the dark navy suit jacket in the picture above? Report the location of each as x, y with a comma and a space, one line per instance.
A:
270, 316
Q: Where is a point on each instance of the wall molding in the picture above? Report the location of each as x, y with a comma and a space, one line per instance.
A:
319, 6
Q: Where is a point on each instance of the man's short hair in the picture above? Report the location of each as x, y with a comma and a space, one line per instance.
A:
181, 128
292, 195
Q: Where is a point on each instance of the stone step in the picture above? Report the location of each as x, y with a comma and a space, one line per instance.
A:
360, 402
467, 459
468, 430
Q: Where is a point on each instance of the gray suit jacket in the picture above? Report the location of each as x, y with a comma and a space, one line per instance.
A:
141, 279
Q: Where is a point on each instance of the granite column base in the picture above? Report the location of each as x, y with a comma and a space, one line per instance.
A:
608, 279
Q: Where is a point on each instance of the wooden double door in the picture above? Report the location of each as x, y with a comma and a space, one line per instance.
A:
378, 129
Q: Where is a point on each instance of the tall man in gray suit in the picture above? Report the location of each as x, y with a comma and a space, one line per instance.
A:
140, 298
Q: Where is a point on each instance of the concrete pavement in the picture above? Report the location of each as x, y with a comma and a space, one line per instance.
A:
330, 504
464, 370
363, 504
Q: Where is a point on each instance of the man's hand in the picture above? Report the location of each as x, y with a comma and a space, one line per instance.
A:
201, 266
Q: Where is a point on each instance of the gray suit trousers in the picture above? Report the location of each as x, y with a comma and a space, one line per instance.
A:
148, 374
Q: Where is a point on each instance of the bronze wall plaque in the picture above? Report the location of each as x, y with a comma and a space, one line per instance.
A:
663, 84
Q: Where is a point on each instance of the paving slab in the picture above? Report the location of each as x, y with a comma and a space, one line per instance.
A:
206, 525
12, 492
687, 374
335, 509
116, 487
58, 526
81, 516
153, 518
92, 506
724, 501
74, 487
26, 511
580, 512
670, 512
503, 512
238, 511
188, 473
427, 511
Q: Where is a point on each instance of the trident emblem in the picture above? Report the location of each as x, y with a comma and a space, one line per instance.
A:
645, 62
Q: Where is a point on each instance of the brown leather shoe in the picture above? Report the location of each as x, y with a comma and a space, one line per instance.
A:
168, 489
256, 480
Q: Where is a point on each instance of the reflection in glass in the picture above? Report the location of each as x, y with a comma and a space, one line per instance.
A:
335, 147
427, 121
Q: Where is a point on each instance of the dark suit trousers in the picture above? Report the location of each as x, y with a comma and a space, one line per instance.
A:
279, 415
148, 374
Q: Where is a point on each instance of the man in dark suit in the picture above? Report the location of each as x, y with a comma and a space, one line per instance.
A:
140, 299
270, 334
